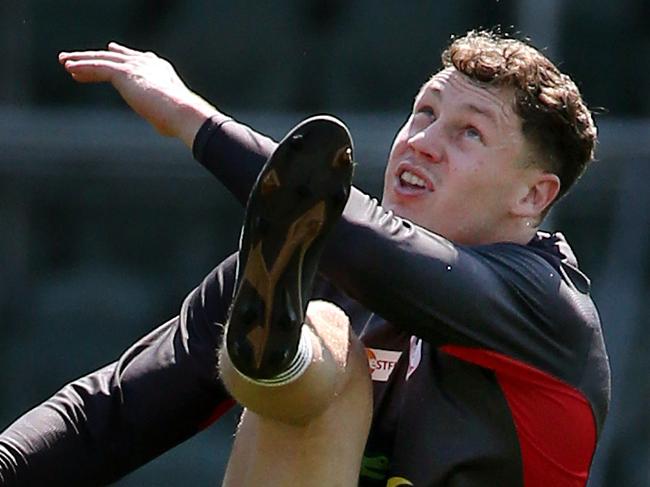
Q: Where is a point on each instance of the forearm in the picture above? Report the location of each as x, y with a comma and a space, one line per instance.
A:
189, 116
233, 152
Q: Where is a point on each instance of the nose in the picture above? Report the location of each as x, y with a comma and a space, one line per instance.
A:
428, 142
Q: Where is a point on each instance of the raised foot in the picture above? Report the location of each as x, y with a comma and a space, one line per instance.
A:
297, 199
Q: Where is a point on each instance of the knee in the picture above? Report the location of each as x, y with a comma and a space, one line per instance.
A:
302, 397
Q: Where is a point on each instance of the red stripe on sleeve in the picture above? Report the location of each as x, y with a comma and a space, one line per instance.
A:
554, 422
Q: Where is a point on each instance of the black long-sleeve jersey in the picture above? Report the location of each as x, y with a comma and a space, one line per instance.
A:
488, 362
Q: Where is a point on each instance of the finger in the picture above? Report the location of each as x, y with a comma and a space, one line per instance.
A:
92, 55
93, 71
115, 47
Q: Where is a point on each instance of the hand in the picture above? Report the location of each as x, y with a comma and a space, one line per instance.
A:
148, 83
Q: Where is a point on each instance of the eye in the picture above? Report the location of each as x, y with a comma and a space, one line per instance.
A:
473, 133
426, 111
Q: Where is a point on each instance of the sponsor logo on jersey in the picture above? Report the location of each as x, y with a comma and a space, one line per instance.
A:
382, 363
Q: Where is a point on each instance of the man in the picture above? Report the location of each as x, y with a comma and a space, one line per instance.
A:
496, 371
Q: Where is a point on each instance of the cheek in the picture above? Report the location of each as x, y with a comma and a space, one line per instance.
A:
467, 170
477, 169
400, 143
473, 186
397, 151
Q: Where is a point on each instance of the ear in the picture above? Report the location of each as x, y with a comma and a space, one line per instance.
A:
538, 194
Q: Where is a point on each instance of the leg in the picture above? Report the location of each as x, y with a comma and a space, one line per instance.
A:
287, 432
301, 375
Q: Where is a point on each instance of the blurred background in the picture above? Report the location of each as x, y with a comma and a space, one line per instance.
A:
105, 226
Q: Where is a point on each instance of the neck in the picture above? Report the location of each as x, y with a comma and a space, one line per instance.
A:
514, 230
519, 231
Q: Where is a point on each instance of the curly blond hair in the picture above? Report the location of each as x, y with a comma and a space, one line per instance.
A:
555, 119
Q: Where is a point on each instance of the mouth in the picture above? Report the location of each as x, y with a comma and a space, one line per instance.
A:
411, 180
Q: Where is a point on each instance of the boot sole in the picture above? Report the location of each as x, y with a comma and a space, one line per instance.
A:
296, 200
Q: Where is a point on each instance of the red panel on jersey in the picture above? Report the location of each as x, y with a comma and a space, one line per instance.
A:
554, 421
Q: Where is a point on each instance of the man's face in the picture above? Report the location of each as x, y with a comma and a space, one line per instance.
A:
456, 165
